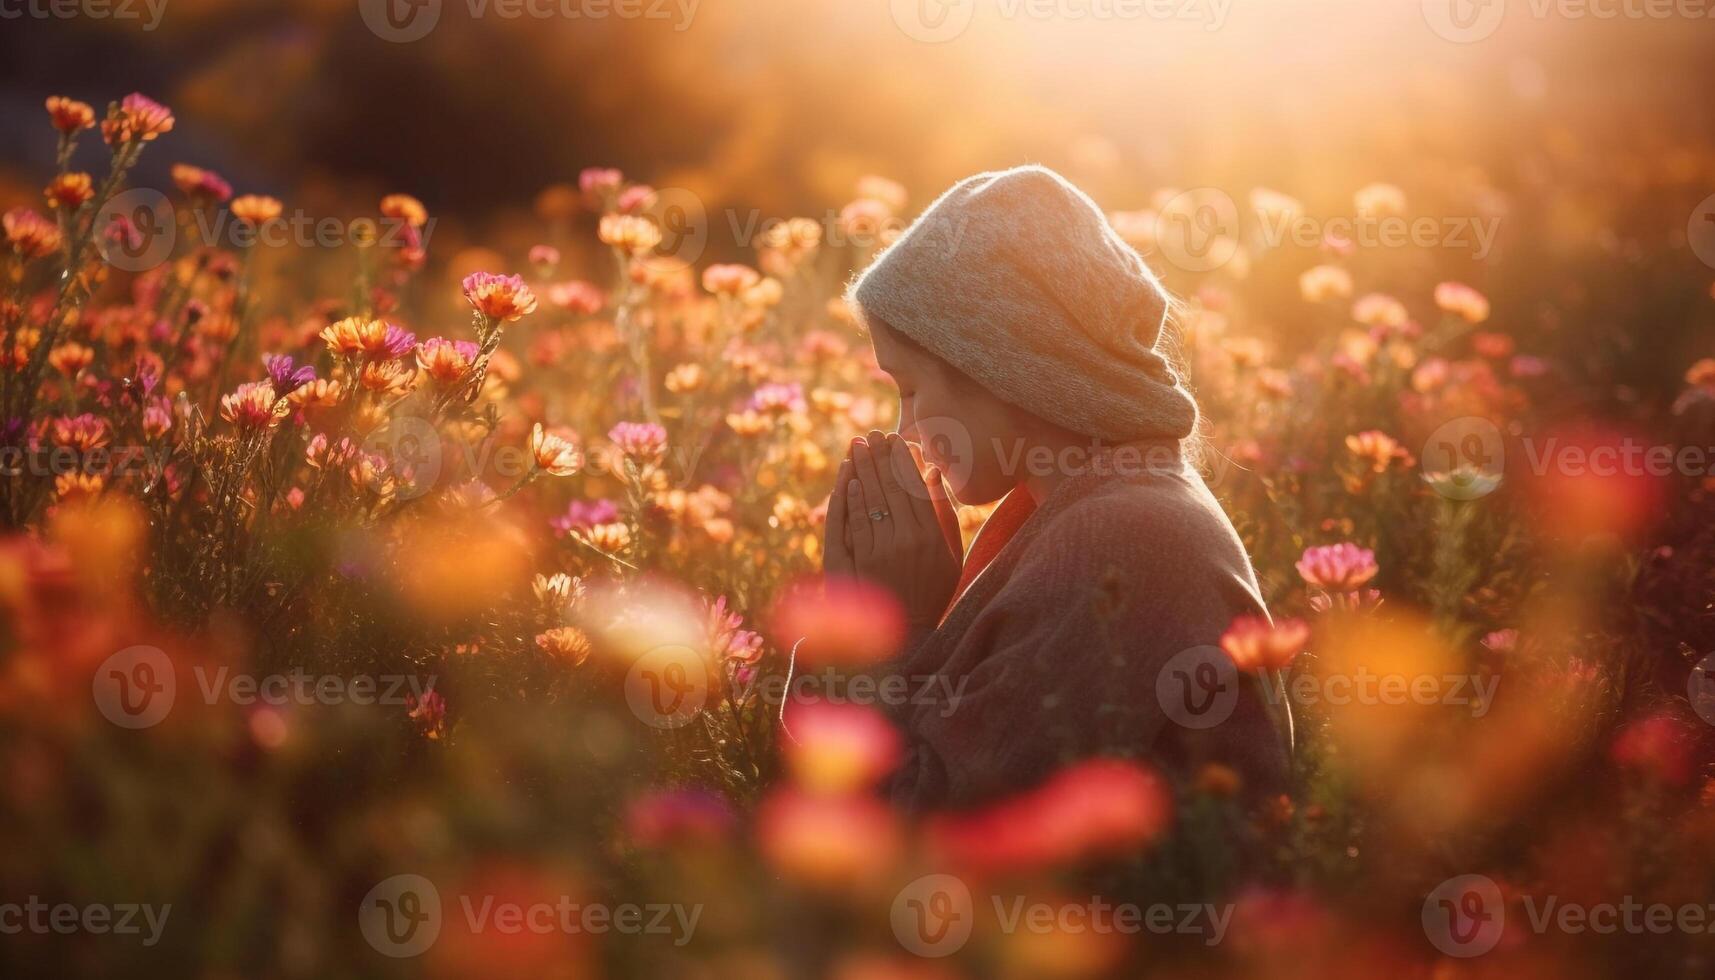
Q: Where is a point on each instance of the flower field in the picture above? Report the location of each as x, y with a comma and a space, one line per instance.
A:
356, 599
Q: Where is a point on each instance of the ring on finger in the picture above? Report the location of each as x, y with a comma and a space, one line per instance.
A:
878, 515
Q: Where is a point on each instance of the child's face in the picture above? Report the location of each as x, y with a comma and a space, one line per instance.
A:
965, 431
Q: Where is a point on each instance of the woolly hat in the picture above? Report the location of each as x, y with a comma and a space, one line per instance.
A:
1016, 279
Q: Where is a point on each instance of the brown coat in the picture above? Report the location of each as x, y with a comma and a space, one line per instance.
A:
1064, 648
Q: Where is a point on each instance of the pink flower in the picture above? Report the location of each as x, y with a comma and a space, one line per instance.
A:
1343, 567
137, 118
500, 298
728, 639
1462, 301
577, 297
599, 185
643, 441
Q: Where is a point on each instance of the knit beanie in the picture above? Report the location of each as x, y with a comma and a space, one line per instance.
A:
1016, 279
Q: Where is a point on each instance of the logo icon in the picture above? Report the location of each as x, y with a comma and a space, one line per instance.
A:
933, 21
136, 231
401, 916
1198, 230
1465, 458
684, 224
1700, 233
1464, 916
1198, 688
135, 687
668, 686
411, 445
946, 444
400, 21
1464, 21
934, 915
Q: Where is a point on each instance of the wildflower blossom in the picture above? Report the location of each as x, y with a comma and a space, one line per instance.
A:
552, 454
629, 233
557, 589
404, 207
1325, 282
430, 713
256, 209
729, 280
1378, 449
645, 442
1378, 310
70, 191
565, 642
1462, 301
30, 235
70, 358
599, 185
446, 362
70, 115
684, 379
1343, 567
839, 748
285, 376
136, 119
499, 298
729, 641
635, 199
81, 432
1255, 644
585, 514
253, 406
196, 182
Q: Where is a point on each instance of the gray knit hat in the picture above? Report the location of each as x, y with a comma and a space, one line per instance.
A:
1017, 279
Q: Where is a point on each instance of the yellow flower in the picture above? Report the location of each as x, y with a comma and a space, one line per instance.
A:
1325, 282
501, 298
684, 379
629, 233
354, 335
256, 209
553, 454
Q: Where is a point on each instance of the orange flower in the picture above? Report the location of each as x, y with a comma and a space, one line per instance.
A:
70, 358
404, 207
70, 191
629, 233
500, 298
566, 643
386, 377
320, 393
70, 115
446, 361
31, 235
354, 335
1374, 447
687, 378
553, 454
136, 119
1325, 282
1256, 645
256, 209
729, 280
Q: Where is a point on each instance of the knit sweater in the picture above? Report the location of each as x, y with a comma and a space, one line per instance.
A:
1071, 643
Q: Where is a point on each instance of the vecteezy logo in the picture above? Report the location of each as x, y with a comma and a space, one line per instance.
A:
684, 225
1198, 688
1464, 21
933, 916
947, 445
135, 687
1464, 916
1198, 230
1465, 458
1700, 233
401, 917
411, 446
400, 21
136, 231
933, 21
668, 686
